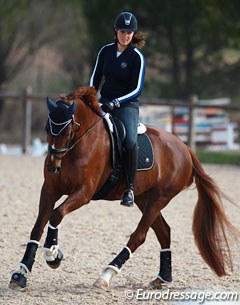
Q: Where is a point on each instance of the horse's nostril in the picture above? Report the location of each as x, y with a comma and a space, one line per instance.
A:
57, 170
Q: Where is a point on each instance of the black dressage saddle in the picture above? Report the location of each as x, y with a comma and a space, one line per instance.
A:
117, 135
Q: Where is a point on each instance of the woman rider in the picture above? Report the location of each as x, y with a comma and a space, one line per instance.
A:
122, 66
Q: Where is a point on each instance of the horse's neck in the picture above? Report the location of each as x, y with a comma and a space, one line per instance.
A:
84, 115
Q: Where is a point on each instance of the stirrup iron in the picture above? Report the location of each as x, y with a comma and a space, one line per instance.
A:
127, 198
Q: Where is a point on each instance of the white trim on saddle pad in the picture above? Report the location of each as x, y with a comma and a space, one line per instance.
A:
141, 127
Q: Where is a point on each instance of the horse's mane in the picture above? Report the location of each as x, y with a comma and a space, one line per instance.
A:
86, 94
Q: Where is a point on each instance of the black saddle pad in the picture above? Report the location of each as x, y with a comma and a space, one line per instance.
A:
145, 152
145, 162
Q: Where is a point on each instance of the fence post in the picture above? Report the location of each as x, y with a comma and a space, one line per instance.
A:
191, 122
172, 119
27, 120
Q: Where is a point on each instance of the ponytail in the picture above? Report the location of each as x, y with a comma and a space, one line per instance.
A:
139, 40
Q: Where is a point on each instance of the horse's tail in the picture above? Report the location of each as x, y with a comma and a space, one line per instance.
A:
210, 223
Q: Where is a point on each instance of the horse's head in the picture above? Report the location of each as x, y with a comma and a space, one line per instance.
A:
60, 131
61, 125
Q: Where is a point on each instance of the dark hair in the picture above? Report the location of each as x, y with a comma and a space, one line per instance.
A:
139, 40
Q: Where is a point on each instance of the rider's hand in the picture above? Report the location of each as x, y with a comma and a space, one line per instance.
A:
109, 106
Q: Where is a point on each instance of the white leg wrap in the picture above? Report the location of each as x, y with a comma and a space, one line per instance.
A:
165, 250
161, 279
103, 281
34, 242
109, 273
23, 269
113, 268
130, 252
53, 228
51, 253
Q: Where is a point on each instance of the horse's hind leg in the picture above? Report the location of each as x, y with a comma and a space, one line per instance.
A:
149, 216
163, 233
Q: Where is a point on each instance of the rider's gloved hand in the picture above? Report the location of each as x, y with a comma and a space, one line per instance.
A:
109, 106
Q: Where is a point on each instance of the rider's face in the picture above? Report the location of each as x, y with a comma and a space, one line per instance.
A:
124, 37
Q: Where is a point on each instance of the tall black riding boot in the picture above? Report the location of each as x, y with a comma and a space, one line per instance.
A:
130, 164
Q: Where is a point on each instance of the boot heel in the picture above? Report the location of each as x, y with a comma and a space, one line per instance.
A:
127, 198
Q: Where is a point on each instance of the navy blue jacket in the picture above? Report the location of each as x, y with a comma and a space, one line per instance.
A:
123, 75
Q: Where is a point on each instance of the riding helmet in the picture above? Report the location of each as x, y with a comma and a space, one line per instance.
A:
126, 22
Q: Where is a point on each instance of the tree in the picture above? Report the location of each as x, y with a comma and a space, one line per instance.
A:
188, 39
196, 34
27, 26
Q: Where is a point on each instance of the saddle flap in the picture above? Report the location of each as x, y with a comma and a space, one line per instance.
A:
145, 156
118, 128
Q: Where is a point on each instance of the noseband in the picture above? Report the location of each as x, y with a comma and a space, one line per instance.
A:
57, 151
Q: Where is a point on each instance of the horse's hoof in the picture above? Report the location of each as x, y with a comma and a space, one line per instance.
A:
18, 282
156, 284
56, 263
101, 283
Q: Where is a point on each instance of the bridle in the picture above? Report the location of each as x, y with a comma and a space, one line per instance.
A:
59, 153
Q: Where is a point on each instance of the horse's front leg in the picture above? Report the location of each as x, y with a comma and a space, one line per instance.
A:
52, 253
46, 205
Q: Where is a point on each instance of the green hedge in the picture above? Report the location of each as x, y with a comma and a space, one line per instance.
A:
219, 157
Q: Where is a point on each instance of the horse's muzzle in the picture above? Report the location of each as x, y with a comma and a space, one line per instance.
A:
53, 164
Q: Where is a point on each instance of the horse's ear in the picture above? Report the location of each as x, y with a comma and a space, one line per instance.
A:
71, 109
51, 105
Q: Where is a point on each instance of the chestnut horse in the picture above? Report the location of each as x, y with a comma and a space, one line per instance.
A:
78, 164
